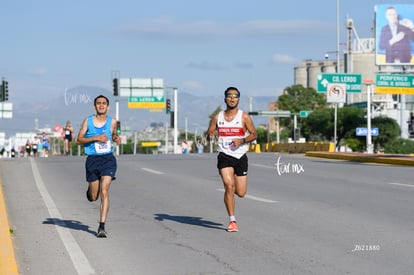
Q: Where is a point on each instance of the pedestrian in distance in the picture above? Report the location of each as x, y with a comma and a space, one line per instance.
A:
235, 129
35, 146
68, 130
28, 148
96, 135
45, 145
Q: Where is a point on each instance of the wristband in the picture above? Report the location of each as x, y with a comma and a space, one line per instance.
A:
244, 140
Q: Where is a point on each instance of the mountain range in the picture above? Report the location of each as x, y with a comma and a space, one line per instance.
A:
77, 103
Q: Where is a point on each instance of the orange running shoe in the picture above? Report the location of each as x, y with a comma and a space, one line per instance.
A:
232, 227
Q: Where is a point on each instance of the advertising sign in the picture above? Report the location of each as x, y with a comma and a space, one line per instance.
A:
394, 34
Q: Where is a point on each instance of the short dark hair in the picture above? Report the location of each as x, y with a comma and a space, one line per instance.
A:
231, 88
100, 96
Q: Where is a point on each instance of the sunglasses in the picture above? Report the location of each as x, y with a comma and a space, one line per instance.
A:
232, 96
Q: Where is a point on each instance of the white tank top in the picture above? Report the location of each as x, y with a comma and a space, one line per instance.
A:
227, 131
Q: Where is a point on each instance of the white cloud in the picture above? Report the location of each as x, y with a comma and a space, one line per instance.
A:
283, 58
167, 28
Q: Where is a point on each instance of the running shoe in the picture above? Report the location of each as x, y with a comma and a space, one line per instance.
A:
232, 227
101, 233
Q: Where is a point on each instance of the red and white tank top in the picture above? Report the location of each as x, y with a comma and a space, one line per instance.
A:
227, 131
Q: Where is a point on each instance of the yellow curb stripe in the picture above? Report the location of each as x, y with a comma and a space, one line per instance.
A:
8, 263
361, 158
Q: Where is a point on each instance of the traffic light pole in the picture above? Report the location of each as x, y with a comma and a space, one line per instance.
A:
115, 88
176, 149
117, 119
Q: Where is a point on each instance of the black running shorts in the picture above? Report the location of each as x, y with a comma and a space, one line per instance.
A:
239, 165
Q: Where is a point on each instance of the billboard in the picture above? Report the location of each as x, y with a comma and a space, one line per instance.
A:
394, 34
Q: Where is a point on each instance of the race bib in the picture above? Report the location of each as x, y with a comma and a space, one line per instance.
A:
227, 143
67, 132
103, 147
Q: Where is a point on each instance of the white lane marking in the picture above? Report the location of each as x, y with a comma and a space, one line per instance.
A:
263, 166
401, 184
152, 171
76, 254
253, 197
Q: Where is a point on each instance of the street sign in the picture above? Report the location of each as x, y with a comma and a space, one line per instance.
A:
336, 93
353, 82
364, 131
141, 87
146, 102
304, 114
394, 84
275, 113
6, 110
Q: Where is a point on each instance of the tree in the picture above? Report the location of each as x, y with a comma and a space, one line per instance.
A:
319, 125
262, 135
297, 98
388, 129
399, 146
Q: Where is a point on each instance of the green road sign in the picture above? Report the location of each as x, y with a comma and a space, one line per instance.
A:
146, 102
394, 84
304, 113
146, 99
353, 82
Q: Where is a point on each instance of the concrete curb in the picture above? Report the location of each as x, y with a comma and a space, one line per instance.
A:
367, 158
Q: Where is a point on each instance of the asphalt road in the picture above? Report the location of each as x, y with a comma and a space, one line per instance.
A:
302, 215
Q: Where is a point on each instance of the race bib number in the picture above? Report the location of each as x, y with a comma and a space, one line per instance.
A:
226, 143
103, 147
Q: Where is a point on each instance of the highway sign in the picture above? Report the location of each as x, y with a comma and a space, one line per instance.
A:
353, 82
394, 84
304, 113
364, 131
6, 110
141, 87
146, 102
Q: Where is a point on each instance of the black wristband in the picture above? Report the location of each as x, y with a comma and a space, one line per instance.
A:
244, 140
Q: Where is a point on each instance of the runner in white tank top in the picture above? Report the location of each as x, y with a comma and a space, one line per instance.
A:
235, 129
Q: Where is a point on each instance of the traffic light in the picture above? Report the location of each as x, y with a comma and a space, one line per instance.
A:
5, 90
168, 106
115, 86
118, 127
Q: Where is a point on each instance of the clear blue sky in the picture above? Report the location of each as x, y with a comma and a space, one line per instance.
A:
201, 47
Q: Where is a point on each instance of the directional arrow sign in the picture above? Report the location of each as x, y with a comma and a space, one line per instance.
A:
353, 82
364, 131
